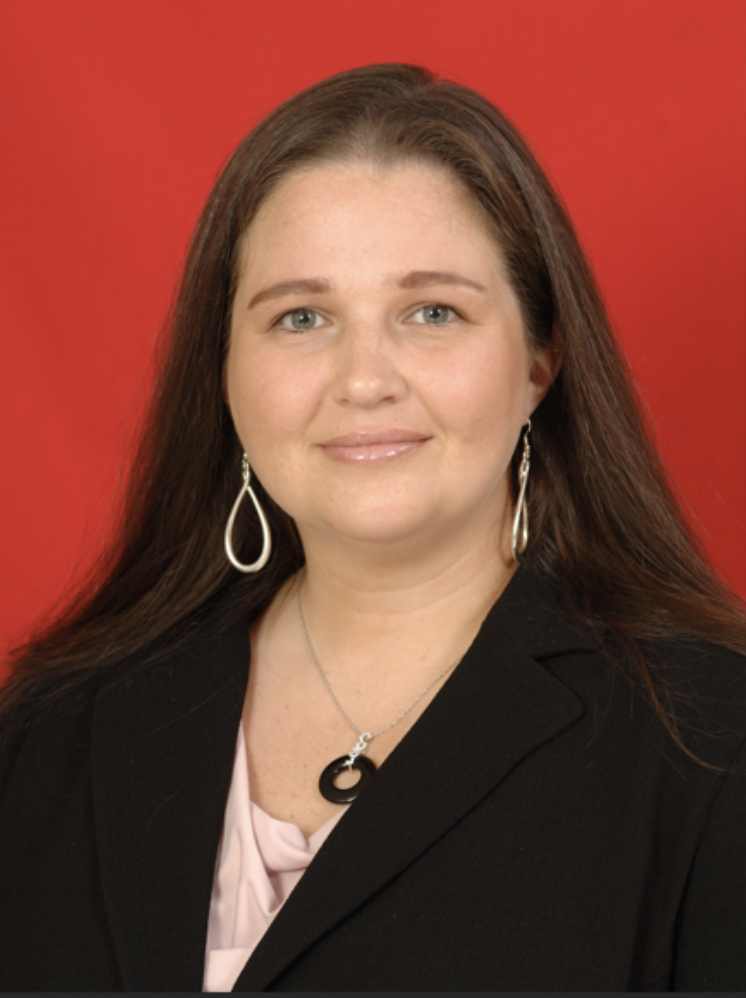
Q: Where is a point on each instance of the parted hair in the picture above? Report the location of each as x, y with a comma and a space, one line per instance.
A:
604, 518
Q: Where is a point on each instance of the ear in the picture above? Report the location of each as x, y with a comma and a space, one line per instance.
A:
545, 365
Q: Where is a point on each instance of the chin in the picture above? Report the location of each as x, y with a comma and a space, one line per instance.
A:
379, 525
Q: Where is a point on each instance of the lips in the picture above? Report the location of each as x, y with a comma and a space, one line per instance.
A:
374, 446
366, 438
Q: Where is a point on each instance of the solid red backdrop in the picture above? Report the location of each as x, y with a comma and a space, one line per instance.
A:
116, 117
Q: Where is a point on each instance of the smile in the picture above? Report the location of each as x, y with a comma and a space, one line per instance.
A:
374, 447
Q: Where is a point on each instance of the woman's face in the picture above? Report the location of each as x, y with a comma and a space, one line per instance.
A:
378, 373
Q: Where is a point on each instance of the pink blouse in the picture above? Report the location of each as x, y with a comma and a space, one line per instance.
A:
260, 860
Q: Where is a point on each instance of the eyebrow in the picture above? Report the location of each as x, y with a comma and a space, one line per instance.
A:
321, 285
427, 278
310, 285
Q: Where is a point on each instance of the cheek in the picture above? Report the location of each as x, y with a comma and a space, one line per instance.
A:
482, 394
267, 396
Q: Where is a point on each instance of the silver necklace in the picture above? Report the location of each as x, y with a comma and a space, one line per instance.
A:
356, 758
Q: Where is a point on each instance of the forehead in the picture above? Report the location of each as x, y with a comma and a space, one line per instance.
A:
414, 214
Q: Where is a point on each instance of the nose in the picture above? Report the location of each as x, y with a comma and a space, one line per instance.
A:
368, 371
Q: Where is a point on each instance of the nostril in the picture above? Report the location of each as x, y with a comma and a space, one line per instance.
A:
367, 377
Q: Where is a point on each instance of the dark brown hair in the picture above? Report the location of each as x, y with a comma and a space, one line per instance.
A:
603, 516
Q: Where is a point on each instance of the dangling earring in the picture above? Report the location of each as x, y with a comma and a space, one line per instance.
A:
266, 536
520, 520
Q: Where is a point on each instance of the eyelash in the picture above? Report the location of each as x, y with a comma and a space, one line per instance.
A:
312, 311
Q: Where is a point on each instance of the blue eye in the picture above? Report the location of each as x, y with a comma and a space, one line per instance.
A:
434, 315
300, 319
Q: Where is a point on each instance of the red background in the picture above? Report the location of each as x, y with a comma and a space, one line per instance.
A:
116, 116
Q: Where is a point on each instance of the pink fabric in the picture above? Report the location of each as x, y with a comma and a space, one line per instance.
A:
260, 860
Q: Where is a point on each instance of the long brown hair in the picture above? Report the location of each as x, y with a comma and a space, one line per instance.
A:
603, 516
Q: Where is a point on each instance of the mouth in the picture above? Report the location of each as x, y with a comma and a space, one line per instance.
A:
374, 446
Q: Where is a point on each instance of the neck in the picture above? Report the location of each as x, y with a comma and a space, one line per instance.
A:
386, 618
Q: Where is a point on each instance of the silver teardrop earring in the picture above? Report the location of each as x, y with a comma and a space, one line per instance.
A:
520, 519
266, 535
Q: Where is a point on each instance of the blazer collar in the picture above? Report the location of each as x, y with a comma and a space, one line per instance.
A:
530, 612
164, 745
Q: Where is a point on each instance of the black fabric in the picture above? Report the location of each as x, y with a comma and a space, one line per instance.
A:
536, 830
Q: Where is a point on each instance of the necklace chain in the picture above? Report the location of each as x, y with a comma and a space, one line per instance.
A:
365, 736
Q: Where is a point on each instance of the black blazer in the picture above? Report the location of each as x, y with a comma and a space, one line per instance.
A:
535, 831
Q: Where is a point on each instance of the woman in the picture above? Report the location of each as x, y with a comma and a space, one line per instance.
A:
394, 462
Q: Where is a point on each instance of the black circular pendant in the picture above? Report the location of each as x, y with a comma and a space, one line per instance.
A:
331, 792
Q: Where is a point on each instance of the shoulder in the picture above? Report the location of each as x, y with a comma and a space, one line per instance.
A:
693, 737
55, 713
52, 708
45, 766
701, 685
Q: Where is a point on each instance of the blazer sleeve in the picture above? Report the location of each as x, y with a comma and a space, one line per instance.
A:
711, 940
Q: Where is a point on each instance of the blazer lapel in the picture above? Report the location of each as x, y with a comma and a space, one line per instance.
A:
164, 745
499, 705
